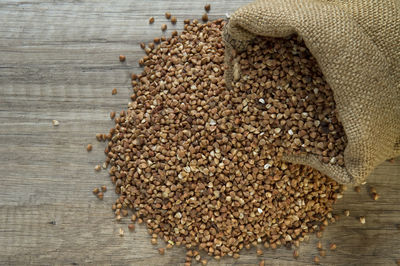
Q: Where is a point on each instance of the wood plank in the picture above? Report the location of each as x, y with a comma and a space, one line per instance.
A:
59, 60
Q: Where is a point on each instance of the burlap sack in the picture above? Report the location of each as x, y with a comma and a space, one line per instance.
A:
357, 46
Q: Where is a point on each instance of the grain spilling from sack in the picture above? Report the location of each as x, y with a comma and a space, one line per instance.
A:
198, 163
291, 100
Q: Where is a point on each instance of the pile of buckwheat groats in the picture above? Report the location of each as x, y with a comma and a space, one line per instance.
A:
289, 99
199, 163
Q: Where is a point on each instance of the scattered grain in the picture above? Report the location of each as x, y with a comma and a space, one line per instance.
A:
100, 195
322, 253
173, 20
131, 227
161, 251
89, 147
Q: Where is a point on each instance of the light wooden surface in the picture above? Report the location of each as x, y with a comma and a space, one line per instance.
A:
59, 60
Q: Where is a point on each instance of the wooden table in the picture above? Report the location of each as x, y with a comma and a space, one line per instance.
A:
59, 60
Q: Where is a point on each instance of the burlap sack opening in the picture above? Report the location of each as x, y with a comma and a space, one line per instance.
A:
357, 46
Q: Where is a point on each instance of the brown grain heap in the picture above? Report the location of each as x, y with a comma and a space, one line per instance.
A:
196, 162
291, 98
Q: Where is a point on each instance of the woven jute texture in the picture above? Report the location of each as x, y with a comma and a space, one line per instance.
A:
357, 46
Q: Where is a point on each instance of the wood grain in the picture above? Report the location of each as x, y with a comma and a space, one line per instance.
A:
59, 60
